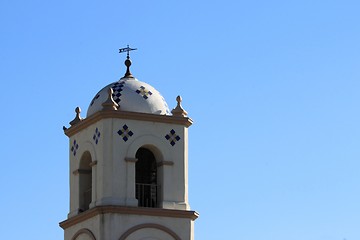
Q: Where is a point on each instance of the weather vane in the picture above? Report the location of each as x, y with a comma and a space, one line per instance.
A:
127, 61
127, 49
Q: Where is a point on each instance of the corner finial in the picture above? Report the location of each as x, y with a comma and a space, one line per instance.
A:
127, 61
77, 118
179, 111
110, 104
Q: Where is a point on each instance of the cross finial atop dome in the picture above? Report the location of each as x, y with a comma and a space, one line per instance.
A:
127, 61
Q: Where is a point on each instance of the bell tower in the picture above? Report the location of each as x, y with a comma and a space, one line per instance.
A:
129, 166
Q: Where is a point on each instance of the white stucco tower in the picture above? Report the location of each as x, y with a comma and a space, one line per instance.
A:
129, 167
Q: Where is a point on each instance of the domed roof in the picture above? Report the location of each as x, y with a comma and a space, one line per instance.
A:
131, 95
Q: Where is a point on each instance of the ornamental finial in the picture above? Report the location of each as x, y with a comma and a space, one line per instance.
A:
127, 61
110, 104
178, 111
77, 118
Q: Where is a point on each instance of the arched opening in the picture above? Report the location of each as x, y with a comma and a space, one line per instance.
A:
85, 182
160, 232
146, 178
84, 234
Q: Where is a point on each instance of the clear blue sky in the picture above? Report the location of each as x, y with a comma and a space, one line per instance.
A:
272, 86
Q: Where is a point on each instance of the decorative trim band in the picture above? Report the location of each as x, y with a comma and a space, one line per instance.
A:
93, 163
165, 163
81, 171
159, 212
186, 121
133, 160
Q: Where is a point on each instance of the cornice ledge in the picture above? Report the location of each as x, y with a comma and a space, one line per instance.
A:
103, 114
159, 212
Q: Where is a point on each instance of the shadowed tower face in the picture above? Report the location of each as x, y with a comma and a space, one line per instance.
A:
128, 166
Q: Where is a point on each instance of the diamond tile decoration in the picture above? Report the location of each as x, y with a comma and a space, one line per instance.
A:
125, 133
96, 97
96, 136
172, 137
144, 92
74, 147
117, 88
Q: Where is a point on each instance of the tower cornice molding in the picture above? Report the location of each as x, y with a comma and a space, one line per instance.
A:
104, 114
158, 212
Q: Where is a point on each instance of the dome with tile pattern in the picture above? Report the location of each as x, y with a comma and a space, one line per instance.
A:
131, 95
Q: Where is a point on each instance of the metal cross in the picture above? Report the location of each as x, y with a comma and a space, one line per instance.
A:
127, 49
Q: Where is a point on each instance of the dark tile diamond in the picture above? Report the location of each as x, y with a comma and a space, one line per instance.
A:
74, 147
125, 133
172, 137
144, 92
96, 136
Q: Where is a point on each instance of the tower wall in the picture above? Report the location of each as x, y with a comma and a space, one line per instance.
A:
112, 144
